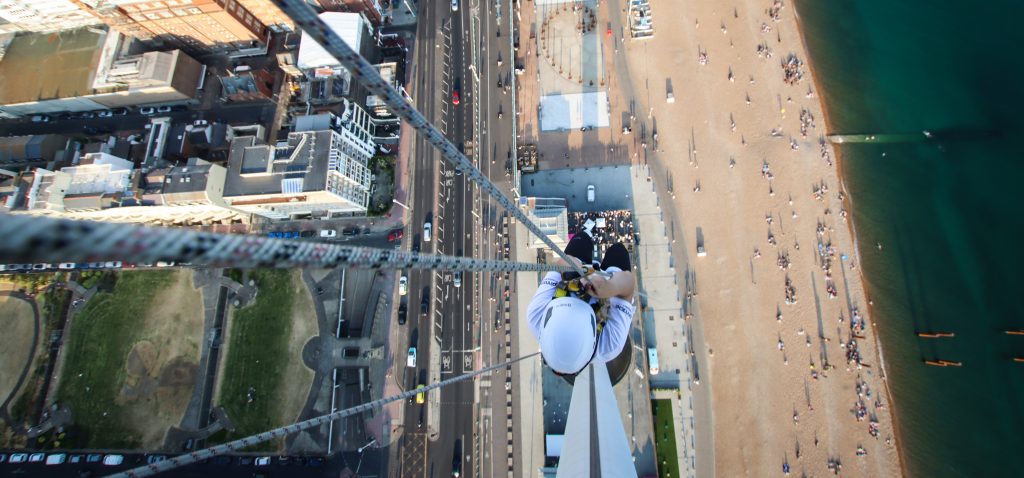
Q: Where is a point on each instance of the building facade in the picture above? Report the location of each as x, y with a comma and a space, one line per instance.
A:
193, 25
43, 16
371, 9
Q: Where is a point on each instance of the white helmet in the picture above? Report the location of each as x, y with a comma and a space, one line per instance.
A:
568, 335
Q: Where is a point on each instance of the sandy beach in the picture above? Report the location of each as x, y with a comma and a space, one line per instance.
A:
765, 200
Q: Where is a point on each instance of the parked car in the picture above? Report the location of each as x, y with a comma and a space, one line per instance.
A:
40, 119
94, 458
151, 459
426, 231
36, 457
411, 361
119, 111
113, 264
163, 109
113, 460
245, 460
66, 265
105, 114
396, 235
263, 461
315, 462
455, 5
42, 266
350, 231
307, 233
403, 313
164, 263
147, 110
19, 457
56, 459
403, 285
328, 233
88, 115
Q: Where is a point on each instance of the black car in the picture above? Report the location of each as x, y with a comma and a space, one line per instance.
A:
350, 231
307, 233
457, 460
402, 313
425, 301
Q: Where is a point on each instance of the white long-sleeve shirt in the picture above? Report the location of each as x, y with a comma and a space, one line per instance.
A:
616, 328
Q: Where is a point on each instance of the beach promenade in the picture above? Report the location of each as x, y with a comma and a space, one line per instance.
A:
744, 175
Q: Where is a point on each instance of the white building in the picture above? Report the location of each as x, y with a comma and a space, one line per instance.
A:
44, 16
314, 173
98, 182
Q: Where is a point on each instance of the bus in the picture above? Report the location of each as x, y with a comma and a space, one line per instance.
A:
652, 359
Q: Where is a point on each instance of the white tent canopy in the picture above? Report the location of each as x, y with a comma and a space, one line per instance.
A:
349, 26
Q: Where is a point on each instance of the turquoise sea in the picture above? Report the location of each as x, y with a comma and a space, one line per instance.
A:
948, 212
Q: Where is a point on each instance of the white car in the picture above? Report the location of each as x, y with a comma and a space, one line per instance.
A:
66, 265
40, 119
56, 459
328, 233
113, 460
457, 279
263, 461
42, 266
403, 285
426, 231
147, 110
112, 265
36, 457
411, 362
19, 458
591, 193
164, 263
105, 114
455, 5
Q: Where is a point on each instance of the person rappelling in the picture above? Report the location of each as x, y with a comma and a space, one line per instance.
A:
562, 313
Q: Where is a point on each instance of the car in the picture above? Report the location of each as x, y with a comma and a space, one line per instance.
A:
455, 97
590, 193
36, 457
42, 266
179, 108
76, 459
403, 285
94, 458
458, 172
420, 398
221, 460
328, 233
263, 461
152, 459
113, 460
113, 264
396, 235
457, 279
457, 460
88, 115
307, 233
56, 459
147, 110
284, 461
165, 263
105, 114
315, 462
403, 312
425, 301
426, 231
66, 265
350, 231
455, 5
119, 111
411, 361
245, 460
40, 119
19, 457
163, 109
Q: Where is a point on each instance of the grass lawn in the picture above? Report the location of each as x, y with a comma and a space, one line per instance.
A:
665, 438
257, 356
94, 368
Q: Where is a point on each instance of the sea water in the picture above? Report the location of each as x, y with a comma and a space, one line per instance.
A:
948, 213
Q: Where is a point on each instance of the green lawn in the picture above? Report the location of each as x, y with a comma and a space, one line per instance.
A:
94, 363
257, 355
665, 438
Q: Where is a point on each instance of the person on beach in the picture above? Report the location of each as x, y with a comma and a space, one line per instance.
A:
563, 318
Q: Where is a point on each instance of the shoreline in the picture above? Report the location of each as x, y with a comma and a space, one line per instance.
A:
852, 227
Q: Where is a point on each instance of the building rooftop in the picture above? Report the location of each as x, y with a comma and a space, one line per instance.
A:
293, 166
48, 66
349, 26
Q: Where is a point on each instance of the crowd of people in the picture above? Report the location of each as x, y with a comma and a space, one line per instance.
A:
792, 69
608, 227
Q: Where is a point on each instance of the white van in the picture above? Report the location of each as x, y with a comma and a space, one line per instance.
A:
652, 360
590, 193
